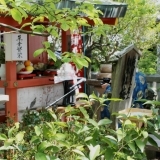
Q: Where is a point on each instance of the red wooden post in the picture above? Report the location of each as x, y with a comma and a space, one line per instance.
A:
11, 76
64, 41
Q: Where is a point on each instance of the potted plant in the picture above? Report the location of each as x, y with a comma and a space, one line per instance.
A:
99, 49
2, 64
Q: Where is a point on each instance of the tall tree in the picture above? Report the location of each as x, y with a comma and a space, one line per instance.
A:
139, 26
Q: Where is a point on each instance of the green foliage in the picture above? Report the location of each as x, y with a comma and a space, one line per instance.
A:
148, 62
78, 59
42, 135
80, 138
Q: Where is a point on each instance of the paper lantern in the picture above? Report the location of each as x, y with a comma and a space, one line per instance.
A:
15, 47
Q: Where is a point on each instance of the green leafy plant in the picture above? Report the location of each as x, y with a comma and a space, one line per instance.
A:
80, 137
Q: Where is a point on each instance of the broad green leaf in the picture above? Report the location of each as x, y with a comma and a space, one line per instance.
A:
140, 144
3, 137
64, 144
16, 15
39, 18
8, 142
132, 147
38, 28
80, 61
119, 135
84, 112
49, 125
43, 146
82, 21
46, 44
88, 139
94, 151
84, 129
152, 141
104, 122
24, 14
35, 139
88, 59
114, 99
98, 21
40, 156
37, 130
152, 102
60, 136
61, 124
111, 137
65, 59
82, 95
55, 149
145, 134
18, 2
53, 115
19, 136
65, 26
110, 141
38, 52
17, 125
93, 96
78, 152
79, 66
130, 158
94, 123
51, 54
127, 122
109, 154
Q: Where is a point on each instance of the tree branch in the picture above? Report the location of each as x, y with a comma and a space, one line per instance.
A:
23, 31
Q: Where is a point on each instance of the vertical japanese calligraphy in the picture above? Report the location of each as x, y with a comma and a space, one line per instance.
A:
16, 47
19, 46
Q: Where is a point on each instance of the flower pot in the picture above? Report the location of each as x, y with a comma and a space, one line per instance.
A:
106, 68
3, 72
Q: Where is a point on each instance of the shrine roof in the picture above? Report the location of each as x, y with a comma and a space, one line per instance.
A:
109, 8
119, 54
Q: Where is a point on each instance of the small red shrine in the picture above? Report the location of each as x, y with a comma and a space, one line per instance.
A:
14, 87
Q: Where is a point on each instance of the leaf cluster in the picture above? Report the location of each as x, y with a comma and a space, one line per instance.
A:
78, 138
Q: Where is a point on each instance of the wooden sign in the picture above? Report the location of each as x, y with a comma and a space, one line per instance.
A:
15, 47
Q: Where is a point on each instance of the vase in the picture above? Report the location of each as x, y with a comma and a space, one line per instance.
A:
105, 71
3, 72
